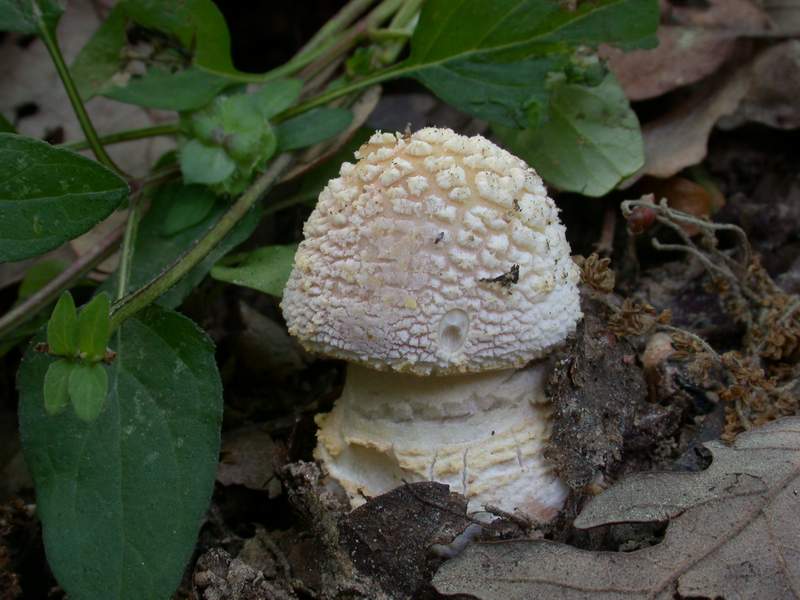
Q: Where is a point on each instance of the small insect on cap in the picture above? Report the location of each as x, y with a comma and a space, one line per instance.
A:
435, 253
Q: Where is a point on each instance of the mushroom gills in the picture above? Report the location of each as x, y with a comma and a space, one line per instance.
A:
483, 434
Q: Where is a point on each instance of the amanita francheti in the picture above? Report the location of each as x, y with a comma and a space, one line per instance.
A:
437, 267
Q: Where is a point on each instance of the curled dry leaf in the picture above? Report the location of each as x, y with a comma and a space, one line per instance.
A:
763, 90
774, 88
679, 139
732, 533
683, 55
249, 457
734, 17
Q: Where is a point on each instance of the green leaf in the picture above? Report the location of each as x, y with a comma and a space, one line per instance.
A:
191, 205
198, 25
38, 276
94, 327
6, 126
491, 59
49, 196
189, 89
88, 388
312, 127
26, 16
276, 96
265, 269
201, 163
62, 329
101, 58
154, 250
590, 142
121, 499
56, 384
234, 137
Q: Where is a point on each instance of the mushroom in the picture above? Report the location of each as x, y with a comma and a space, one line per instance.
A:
438, 268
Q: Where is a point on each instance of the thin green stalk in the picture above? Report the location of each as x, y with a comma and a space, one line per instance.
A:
128, 135
75, 98
340, 21
388, 35
126, 256
344, 90
382, 12
404, 21
151, 291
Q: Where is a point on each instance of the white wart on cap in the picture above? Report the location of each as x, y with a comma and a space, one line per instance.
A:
435, 253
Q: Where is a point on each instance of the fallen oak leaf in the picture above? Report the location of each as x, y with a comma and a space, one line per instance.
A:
684, 55
732, 532
679, 139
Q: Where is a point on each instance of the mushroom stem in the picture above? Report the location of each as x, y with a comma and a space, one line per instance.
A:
481, 433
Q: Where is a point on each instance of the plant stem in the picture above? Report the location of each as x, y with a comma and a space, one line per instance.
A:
356, 86
151, 291
388, 35
128, 135
343, 19
92, 139
28, 309
405, 21
128, 241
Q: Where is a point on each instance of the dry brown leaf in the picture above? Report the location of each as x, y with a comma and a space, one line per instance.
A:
736, 17
733, 533
784, 15
772, 95
679, 139
683, 55
249, 457
765, 90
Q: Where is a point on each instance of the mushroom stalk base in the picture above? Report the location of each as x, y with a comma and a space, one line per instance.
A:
482, 434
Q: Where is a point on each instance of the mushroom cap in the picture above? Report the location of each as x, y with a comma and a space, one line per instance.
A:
434, 253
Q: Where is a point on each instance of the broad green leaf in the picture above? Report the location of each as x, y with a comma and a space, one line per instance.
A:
56, 384
94, 327
201, 163
26, 16
154, 250
191, 205
121, 499
589, 143
6, 126
38, 276
189, 89
265, 269
491, 59
49, 196
62, 328
312, 127
198, 25
88, 388
101, 58
276, 96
